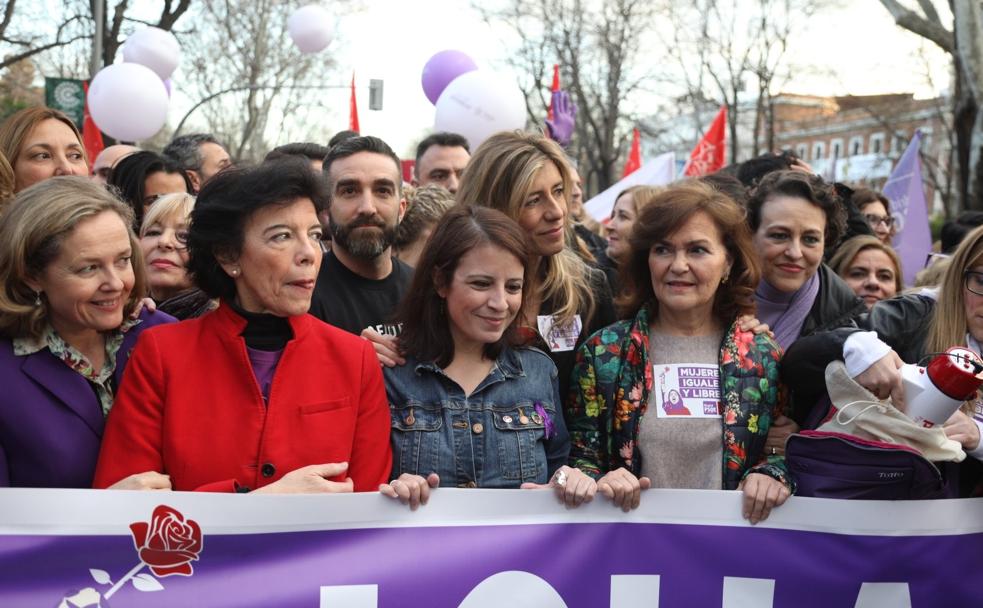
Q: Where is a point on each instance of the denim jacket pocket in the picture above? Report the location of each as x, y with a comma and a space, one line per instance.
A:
521, 453
415, 438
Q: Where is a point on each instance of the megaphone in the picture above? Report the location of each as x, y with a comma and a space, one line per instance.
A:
933, 393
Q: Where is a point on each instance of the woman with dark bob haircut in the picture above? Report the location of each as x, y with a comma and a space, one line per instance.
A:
470, 408
653, 395
143, 177
225, 402
795, 216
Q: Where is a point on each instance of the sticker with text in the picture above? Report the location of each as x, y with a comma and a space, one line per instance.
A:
689, 390
558, 337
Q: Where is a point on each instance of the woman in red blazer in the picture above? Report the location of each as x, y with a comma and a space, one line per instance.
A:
257, 395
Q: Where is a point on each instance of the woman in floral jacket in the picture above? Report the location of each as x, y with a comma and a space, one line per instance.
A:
680, 396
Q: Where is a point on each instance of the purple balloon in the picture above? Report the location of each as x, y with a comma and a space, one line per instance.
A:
441, 69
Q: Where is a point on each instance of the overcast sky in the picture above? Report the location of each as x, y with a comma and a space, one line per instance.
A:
854, 49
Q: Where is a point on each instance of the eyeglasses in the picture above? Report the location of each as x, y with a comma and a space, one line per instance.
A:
874, 220
974, 282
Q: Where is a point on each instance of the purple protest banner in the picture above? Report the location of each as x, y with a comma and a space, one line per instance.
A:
481, 548
913, 239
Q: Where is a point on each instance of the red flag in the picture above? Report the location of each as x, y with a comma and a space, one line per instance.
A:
353, 110
708, 155
634, 161
553, 89
91, 137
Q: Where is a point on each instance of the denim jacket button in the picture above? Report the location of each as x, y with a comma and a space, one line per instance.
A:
409, 420
507, 419
477, 427
537, 418
523, 419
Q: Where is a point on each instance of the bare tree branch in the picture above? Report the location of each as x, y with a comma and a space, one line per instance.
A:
8, 13
12, 59
928, 26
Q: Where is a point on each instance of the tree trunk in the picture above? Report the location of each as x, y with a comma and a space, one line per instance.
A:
967, 118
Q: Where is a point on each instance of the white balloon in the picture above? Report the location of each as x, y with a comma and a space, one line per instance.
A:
311, 28
478, 104
154, 48
128, 101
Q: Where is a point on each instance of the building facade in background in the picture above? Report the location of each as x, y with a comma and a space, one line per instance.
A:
858, 139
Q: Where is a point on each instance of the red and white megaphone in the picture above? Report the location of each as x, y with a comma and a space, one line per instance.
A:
934, 393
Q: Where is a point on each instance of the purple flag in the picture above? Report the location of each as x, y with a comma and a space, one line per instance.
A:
913, 238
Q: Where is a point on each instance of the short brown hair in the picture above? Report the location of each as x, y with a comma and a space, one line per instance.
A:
666, 214
640, 197
426, 332
798, 184
33, 228
424, 207
866, 196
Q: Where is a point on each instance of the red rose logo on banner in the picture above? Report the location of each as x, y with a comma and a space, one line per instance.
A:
169, 543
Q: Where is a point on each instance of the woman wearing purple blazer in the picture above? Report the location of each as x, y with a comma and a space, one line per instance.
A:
72, 277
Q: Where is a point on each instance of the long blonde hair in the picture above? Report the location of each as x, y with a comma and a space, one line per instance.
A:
500, 176
949, 324
32, 230
6, 181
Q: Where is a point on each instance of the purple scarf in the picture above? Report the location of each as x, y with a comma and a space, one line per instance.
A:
784, 312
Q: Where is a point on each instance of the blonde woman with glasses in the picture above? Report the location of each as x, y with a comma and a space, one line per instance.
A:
909, 329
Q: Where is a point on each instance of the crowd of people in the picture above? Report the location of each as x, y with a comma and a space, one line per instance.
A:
173, 321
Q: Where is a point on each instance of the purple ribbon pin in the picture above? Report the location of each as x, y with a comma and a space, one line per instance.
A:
547, 421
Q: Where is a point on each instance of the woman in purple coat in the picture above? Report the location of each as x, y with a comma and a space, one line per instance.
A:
72, 277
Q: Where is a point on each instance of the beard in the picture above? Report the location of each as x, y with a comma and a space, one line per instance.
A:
366, 244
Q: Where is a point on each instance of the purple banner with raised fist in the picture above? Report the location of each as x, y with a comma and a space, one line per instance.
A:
481, 548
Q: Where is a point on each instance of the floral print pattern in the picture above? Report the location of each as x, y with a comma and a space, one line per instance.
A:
612, 379
101, 380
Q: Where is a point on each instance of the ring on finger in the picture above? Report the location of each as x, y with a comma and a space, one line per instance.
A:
560, 478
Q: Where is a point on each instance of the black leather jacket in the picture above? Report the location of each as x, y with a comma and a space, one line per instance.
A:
836, 305
901, 322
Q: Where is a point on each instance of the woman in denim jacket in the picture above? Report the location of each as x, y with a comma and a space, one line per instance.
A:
468, 408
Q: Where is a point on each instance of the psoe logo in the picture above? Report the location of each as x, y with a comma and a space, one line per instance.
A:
167, 546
